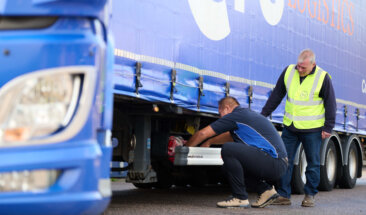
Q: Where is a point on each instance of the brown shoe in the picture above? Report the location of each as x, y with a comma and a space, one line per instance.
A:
282, 201
234, 203
308, 201
266, 198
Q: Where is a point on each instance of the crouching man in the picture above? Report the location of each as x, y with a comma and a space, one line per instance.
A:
252, 149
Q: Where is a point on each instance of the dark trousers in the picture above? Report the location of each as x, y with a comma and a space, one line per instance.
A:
243, 162
311, 142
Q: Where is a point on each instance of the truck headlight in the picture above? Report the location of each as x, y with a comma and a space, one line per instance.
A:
40, 104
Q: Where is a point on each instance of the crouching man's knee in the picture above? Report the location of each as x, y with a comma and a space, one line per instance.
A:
227, 149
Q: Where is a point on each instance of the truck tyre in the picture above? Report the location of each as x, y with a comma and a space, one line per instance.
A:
143, 185
163, 168
199, 177
328, 171
298, 174
349, 176
163, 175
165, 180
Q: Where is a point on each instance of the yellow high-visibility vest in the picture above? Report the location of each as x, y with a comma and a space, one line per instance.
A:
304, 108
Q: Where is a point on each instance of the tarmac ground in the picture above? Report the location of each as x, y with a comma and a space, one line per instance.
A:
191, 200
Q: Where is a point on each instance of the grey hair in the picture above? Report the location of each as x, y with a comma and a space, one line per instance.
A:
306, 54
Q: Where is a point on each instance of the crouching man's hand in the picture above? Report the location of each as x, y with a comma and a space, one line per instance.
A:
206, 144
200, 136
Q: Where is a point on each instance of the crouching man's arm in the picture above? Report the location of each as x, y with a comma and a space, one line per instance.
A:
200, 136
218, 140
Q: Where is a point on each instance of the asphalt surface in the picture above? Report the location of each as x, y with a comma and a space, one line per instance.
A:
188, 200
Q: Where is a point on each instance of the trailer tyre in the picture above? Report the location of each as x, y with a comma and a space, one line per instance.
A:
165, 180
349, 176
298, 174
328, 171
199, 177
143, 185
163, 168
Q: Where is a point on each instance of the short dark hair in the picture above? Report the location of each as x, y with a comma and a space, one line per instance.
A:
229, 100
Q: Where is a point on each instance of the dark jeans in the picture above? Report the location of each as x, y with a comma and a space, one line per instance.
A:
243, 162
311, 142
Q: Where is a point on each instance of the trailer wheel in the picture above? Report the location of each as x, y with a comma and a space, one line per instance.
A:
349, 176
163, 168
298, 174
165, 180
143, 185
328, 171
199, 177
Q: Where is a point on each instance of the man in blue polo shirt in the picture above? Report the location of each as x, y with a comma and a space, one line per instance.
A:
252, 149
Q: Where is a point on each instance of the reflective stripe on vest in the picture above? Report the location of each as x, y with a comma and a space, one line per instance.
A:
304, 108
303, 118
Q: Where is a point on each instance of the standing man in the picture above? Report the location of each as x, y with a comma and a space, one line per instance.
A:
252, 148
309, 117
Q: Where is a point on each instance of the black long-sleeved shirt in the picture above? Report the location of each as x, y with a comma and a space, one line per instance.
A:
326, 93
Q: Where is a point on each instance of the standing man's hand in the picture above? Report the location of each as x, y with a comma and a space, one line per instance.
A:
325, 134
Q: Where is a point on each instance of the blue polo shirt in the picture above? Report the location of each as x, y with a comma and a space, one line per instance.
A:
251, 128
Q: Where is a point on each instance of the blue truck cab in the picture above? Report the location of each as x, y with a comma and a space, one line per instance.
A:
56, 106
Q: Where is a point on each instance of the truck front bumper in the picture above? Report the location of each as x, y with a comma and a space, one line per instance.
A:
78, 188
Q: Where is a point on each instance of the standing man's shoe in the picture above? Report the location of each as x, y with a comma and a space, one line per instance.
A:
281, 201
266, 198
234, 203
308, 201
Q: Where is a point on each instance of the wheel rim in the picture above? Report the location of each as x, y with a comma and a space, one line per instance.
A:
133, 142
331, 164
352, 163
303, 164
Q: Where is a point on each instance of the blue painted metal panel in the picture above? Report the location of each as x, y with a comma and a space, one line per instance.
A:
84, 159
256, 48
76, 8
76, 190
56, 46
